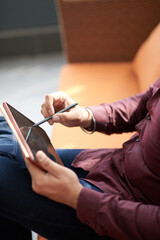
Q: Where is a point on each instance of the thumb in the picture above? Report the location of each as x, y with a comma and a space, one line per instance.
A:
61, 118
56, 118
47, 164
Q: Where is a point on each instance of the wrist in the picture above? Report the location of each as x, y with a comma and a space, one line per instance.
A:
91, 128
74, 199
87, 119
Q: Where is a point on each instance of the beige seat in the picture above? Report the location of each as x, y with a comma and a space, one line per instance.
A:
90, 84
100, 40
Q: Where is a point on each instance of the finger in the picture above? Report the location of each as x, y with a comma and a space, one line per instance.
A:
68, 119
58, 96
66, 116
49, 104
33, 168
44, 110
48, 165
53, 103
56, 99
61, 117
46, 114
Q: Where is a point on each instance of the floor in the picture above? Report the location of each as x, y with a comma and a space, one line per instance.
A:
24, 82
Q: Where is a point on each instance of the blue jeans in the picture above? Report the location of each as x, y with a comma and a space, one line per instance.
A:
20, 204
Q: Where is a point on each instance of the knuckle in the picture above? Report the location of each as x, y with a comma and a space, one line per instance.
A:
42, 107
45, 161
37, 186
34, 187
64, 117
47, 97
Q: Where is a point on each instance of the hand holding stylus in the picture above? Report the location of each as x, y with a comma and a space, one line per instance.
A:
77, 116
48, 118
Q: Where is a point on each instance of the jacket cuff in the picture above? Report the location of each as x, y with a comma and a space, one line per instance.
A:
101, 117
87, 206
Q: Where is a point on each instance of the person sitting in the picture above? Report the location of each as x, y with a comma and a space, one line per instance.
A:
98, 193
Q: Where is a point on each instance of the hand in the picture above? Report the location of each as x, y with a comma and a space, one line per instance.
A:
54, 181
77, 116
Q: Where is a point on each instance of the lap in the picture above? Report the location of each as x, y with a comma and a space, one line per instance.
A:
8, 143
67, 156
20, 203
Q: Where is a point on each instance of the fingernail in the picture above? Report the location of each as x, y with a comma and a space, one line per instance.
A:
56, 118
50, 122
41, 156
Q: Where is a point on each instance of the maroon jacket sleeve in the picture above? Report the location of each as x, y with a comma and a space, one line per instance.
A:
121, 116
120, 219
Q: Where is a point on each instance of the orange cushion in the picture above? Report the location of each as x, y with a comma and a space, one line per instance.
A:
91, 84
146, 63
